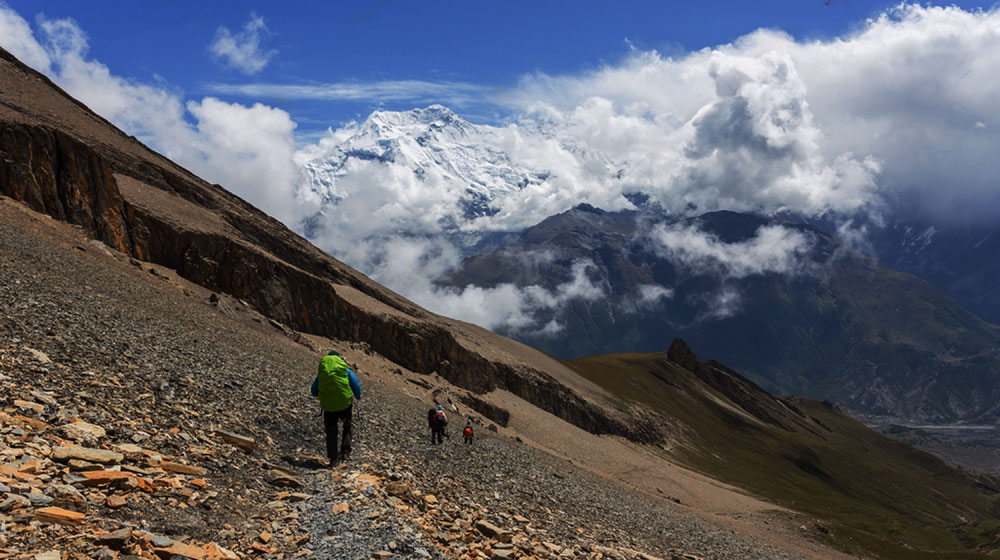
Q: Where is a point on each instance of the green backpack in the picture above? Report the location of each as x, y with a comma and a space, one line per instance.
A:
334, 385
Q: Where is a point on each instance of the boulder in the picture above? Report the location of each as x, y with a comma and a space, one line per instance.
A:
179, 549
115, 501
14, 501
115, 540
397, 488
181, 468
103, 478
489, 530
282, 479
216, 552
83, 432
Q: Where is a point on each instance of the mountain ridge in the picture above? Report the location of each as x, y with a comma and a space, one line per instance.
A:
843, 328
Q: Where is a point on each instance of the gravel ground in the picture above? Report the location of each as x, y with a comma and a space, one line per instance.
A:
183, 361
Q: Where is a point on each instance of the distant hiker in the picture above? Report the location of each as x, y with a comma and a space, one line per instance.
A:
337, 387
436, 421
467, 432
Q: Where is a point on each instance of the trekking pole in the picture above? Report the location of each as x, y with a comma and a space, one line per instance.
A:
357, 415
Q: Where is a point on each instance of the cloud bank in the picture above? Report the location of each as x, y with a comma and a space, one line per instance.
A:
897, 112
772, 250
453, 94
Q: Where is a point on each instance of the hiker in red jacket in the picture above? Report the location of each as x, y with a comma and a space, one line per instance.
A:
467, 432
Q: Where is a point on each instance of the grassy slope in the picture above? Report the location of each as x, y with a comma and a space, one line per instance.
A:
872, 493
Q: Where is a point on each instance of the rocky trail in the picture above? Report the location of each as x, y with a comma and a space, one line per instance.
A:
143, 417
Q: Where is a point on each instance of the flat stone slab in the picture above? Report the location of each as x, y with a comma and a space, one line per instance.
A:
59, 516
103, 456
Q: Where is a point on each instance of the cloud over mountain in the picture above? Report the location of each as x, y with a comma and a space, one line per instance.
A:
898, 110
773, 249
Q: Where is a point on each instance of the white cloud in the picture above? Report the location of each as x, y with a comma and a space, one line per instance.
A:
248, 147
896, 112
411, 265
455, 94
17, 38
722, 304
242, 50
651, 294
772, 249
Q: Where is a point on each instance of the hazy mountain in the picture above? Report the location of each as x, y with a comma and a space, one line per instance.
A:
836, 325
963, 260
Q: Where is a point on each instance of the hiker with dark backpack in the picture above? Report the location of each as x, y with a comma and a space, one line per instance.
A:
436, 421
337, 387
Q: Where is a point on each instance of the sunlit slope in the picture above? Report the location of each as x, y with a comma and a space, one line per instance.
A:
870, 492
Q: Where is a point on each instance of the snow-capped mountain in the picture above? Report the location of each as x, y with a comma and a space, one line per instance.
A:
434, 144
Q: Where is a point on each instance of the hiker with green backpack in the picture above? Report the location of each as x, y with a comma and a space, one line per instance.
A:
337, 387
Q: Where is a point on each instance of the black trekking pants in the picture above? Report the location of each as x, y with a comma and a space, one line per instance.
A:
437, 434
330, 423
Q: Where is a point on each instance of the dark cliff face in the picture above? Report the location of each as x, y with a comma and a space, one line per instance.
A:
254, 258
54, 174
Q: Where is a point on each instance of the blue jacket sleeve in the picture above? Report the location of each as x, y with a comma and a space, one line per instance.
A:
355, 386
314, 390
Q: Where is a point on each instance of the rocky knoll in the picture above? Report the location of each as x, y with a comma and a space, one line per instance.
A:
61, 159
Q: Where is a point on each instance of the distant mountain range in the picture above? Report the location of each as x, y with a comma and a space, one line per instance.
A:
849, 328
843, 328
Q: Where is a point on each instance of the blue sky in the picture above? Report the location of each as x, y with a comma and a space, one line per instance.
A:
469, 45
836, 109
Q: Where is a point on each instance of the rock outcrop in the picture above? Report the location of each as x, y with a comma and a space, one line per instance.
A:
53, 173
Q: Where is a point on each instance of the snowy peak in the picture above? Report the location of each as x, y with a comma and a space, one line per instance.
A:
433, 147
435, 115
